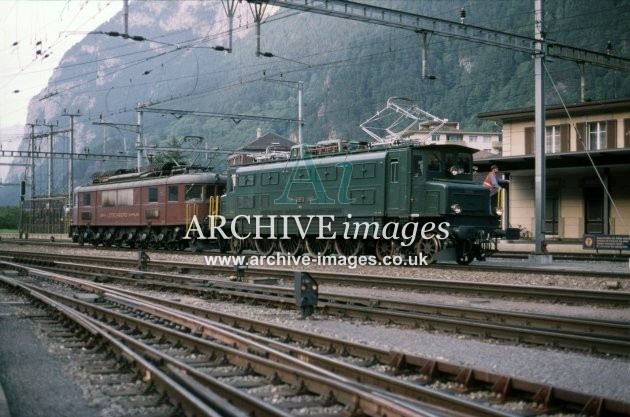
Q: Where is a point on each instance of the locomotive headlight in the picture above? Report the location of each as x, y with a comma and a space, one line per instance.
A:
456, 208
499, 211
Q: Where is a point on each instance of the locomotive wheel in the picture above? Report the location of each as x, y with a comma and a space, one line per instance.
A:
464, 252
264, 246
224, 244
292, 246
236, 245
194, 245
429, 248
384, 248
153, 242
316, 247
348, 247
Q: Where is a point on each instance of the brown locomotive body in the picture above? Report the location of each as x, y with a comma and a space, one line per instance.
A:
144, 210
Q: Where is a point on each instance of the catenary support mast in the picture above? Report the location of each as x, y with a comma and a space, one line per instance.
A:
539, 131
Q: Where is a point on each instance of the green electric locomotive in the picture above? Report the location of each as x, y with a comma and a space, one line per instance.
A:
354, 198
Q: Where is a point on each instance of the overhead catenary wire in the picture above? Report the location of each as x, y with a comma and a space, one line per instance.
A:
198, 42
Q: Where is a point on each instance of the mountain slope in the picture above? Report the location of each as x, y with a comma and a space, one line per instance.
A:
348, 70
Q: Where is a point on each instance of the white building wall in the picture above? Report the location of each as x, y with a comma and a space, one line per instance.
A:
569, 182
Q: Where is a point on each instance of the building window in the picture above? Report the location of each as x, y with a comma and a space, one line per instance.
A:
552, 139
153, 195
487, 139
596, 136
435, 137
454, 138
472, 138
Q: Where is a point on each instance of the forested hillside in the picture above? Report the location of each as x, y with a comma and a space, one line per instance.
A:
348, 70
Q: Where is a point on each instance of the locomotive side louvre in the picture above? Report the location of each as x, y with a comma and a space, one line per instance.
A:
335, 185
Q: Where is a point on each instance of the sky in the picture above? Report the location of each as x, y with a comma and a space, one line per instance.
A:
34, 35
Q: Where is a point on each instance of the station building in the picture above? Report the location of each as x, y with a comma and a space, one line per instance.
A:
587, 148
450, 133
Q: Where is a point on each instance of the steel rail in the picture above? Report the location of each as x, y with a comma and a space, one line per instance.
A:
468, 378
162, 381
245, 354
598, 336
564, 295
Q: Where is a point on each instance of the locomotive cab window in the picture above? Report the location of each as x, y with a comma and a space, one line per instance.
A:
173, 193
434, 161
153, 194
416, 166
194, 192
458, 163
393, 170
86, 199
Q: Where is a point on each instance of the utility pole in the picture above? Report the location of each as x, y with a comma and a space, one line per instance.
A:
258, 10
50, 157
139, 138
32, 174
32, 157
126, 14
300, 113
230, 10
71, 158
539, 134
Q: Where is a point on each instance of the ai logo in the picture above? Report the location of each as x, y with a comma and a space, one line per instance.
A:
307, 166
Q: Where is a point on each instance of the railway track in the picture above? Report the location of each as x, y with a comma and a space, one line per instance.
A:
201, 351
596, 336
477, 266
546, 293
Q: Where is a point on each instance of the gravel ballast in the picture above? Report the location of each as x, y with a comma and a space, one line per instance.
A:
593, 374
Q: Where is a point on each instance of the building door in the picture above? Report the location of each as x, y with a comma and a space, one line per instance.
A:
594, 210
552, 208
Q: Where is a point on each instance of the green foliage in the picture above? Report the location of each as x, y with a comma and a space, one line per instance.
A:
174, 155
9, 217
349, 69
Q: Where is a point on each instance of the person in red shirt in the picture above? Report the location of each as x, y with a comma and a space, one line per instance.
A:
493, 183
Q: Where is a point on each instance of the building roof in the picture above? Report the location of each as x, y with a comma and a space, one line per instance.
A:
556, 111
601, 158
263, 142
